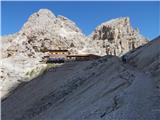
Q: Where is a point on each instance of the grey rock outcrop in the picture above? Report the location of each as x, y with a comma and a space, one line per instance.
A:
46, 31
117, 36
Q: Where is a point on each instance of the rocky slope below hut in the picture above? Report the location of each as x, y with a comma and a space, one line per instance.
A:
103, 89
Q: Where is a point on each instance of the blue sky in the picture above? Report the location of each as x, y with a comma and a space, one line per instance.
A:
87, 15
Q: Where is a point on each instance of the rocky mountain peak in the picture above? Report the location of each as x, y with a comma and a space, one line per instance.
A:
113, 29
43, 12
125, 21
46, 31
117, 36
39, 21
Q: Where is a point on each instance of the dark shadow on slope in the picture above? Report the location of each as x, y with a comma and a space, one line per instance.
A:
124, 58
146, 58
22, 83
68, 88
127, 58
55, 94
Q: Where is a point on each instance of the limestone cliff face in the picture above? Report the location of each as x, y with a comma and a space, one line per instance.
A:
117, 36
46, 31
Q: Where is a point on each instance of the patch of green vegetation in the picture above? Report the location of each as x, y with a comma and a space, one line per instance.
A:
35, 72
50, 65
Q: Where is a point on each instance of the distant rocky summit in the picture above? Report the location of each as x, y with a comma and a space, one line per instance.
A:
117, 36
44, 30
22, 51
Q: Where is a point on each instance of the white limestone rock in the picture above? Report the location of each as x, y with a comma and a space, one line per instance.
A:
117, 36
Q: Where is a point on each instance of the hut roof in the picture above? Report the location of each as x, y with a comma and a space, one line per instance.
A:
51, 50
82, 55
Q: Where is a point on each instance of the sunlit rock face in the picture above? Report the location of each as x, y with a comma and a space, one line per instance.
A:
117, 36
46, 31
